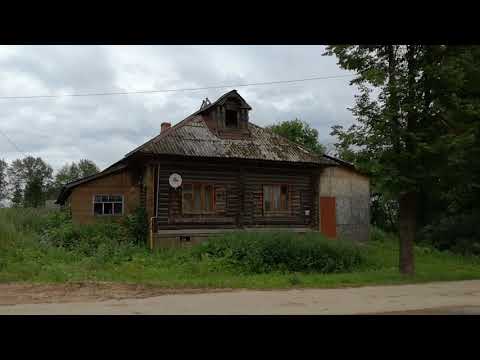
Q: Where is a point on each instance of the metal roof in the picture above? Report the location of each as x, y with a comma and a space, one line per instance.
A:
194, 138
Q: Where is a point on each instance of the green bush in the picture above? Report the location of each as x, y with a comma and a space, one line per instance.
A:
282, 251
137, 226
100, 238
381, 236
459, 234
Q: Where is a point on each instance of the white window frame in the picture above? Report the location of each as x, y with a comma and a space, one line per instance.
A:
108, 202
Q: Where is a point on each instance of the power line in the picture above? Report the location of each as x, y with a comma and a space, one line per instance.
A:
160, 91
175, 90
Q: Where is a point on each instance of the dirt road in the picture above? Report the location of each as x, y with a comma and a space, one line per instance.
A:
462, 297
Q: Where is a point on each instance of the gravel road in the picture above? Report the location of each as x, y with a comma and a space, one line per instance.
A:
460, 297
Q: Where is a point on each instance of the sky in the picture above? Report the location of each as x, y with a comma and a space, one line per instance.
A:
105, 128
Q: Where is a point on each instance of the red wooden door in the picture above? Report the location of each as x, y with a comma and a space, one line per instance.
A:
328, 219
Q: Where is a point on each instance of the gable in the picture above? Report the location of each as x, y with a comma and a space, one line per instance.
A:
228, 116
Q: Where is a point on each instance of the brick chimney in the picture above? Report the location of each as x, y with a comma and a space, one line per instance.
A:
164, 126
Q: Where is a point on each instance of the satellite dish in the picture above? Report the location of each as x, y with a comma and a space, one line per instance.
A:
175, 180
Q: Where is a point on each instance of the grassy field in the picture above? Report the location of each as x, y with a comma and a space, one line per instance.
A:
26, 256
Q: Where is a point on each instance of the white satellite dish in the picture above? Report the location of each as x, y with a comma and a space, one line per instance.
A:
175, 180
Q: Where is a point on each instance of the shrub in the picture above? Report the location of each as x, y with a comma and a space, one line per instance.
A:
137, 226
459, 233
282, 251
86, 238
381, 236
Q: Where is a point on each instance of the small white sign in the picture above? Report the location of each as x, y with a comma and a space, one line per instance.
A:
175, 180
307, 212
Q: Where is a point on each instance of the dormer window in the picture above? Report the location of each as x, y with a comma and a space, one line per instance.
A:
228, 116
231, 119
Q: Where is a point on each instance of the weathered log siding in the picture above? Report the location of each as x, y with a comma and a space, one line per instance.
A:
300, 197
170, 200
243, 189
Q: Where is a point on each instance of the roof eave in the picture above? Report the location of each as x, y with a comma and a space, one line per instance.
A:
66, 189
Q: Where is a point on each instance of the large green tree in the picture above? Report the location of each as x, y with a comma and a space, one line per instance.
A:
72, 172
29, 179
459, 111
402, 131
67, 173
87, 167
299, 132
16, 196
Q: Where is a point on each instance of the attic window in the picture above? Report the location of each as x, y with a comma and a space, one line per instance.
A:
231, 119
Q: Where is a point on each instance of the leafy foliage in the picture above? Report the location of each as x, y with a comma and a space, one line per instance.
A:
3, 180
86, 239
137, 225
458, 233
29, 179
87, 167
418, 131
383, 211
24, 257
299, 132
28, 182
282, 251
72, 172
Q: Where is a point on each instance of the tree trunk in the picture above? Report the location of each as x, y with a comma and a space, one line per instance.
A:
408, 200
407, 228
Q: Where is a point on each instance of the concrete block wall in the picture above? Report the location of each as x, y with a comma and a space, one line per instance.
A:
352, 197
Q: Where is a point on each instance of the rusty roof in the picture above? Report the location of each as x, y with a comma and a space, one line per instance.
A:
193, 138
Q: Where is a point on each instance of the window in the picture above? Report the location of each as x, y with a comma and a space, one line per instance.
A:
198, 198
231, 119
275, 198
108, 205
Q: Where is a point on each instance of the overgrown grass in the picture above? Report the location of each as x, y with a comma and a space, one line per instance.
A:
37, 246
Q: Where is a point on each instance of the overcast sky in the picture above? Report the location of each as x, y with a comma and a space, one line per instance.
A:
105, 128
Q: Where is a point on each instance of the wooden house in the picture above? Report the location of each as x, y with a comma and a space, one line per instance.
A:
216, 171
